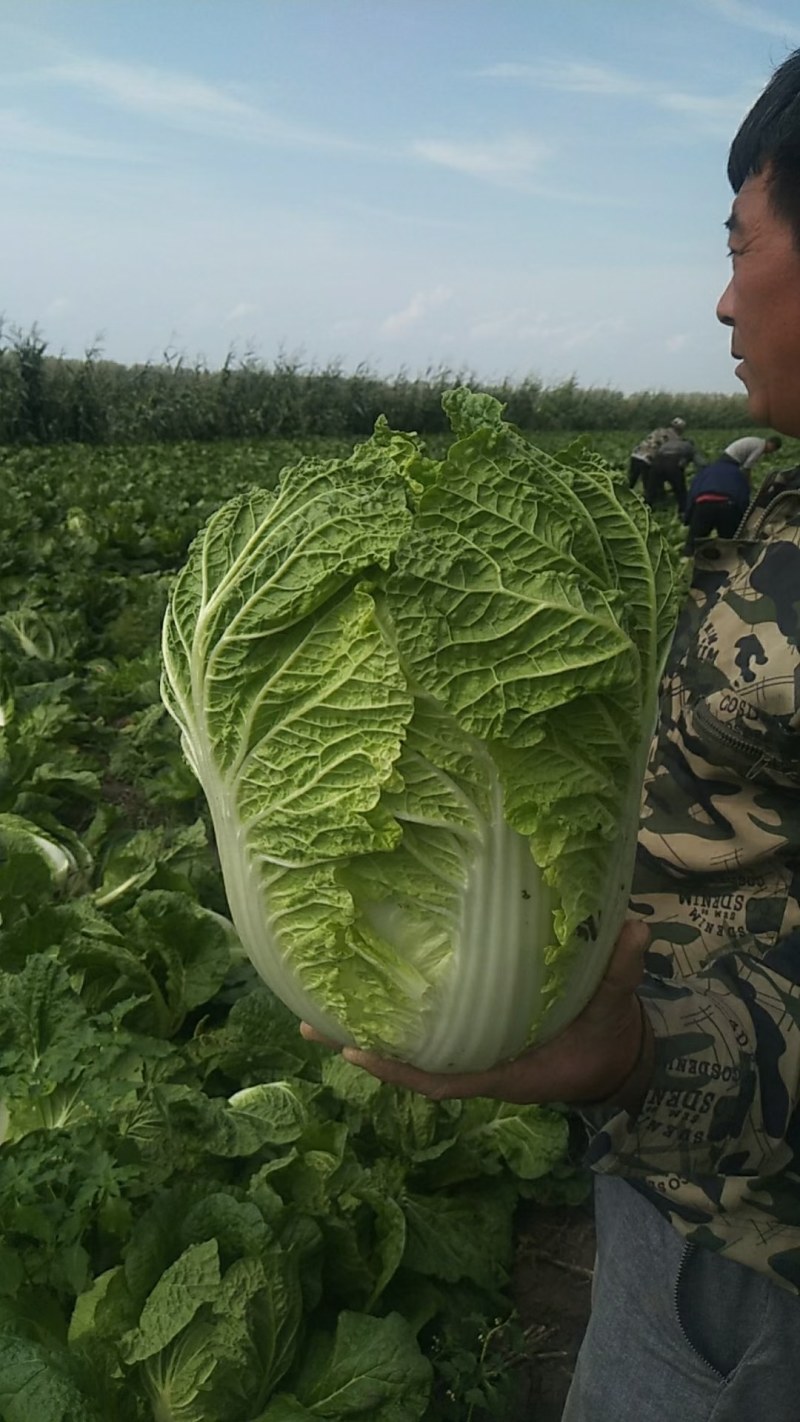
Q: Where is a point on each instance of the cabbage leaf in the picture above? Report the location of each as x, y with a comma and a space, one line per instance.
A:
418, 696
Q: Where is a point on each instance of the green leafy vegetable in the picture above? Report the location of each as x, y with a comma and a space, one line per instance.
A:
203, 1218
418, 697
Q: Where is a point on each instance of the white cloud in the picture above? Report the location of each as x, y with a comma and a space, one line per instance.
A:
521, 325
712, 114
754, 17
569, 76
21, 133
150, 90
504, 160
420, 306
186, 102
717, 116
676, 343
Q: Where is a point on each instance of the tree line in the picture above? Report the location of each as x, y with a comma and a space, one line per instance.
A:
50, 399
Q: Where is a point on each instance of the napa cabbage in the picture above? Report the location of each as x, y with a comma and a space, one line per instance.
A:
418, 696
19, 836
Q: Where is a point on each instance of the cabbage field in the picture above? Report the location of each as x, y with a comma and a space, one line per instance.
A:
203, 1218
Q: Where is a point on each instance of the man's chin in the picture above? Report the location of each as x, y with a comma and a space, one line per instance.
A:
755, 404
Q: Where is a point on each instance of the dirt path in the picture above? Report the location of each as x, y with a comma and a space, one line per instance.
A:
551, 1288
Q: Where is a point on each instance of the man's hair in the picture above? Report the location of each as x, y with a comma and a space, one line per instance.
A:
775, 441
769, 138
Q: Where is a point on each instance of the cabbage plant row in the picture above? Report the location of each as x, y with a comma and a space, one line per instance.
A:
202, 1217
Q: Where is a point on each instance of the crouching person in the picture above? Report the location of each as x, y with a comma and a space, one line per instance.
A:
717, 503
668, 466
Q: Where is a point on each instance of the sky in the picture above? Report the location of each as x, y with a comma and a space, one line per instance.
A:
498, 187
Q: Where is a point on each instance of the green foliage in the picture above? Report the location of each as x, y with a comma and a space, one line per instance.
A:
53, 400
477, 1381
201, 1216
419, 696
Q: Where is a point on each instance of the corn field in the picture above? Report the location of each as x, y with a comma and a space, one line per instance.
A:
48, 399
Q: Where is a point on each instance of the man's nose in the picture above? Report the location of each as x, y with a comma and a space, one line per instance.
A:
725, 306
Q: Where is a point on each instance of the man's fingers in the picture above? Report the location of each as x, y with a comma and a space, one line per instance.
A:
312, 1035
432, 1084
437, 1086
535, 1075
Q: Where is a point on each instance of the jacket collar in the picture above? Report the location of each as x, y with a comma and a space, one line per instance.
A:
776, 504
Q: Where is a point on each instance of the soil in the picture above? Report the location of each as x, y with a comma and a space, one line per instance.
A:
552, 1284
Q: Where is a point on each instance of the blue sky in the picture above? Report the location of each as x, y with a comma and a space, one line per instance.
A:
501, 186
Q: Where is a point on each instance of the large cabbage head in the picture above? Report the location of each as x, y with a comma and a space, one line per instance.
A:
418, 696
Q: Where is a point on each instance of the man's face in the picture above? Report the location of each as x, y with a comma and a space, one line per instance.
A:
761, 304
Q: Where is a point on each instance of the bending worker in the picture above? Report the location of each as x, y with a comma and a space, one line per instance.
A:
642, 455
747, 451
668, 466
721, 492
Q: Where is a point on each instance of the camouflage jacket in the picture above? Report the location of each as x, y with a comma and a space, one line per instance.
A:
652, 443
716, 1143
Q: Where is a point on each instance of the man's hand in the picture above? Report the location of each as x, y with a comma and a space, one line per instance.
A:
604, 1055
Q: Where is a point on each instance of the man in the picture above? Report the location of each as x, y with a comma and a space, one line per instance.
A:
668, 466
720, 492
717, 501
747, 451
642, 455
689, 1073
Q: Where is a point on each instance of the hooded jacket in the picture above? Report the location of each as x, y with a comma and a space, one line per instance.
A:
716, 1143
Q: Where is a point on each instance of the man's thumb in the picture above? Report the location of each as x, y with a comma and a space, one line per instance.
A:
627, 963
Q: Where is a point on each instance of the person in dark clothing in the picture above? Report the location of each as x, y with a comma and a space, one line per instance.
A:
712, 513
646, 449
717, 502
668, 466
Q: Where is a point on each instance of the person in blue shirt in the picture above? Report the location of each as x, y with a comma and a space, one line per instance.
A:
720, 492
718, 498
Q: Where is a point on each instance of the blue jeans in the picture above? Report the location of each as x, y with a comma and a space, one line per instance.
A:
677, 1333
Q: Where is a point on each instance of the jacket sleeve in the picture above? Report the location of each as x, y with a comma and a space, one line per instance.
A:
724, 1092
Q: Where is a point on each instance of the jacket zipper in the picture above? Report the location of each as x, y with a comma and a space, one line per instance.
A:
789, 494
736, 741
688, 1250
